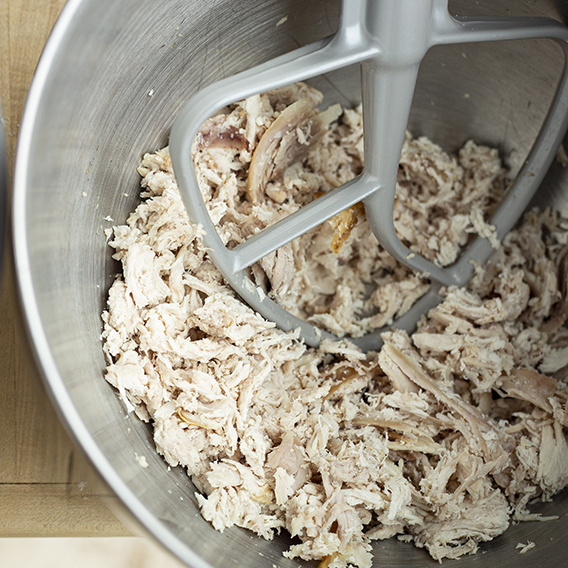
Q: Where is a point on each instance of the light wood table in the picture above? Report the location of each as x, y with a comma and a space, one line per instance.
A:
47, 487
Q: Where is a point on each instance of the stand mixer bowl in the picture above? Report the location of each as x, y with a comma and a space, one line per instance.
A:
112, 78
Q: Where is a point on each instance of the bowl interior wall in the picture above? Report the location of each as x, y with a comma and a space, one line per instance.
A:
117, 77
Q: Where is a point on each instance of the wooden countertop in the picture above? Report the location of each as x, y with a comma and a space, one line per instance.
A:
47, 487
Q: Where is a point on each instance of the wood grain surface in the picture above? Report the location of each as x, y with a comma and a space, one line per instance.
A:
47, 488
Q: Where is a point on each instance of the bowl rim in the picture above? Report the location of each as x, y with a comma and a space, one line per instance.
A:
139, 515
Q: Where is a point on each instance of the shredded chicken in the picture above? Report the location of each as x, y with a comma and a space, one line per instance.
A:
443, 437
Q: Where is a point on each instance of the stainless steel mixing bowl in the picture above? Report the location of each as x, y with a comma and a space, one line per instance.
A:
110, 82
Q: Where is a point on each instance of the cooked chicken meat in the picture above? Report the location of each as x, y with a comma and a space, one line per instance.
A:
442, 438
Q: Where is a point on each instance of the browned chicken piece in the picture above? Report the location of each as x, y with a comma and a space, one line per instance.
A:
287, 140
531, 386
344, 223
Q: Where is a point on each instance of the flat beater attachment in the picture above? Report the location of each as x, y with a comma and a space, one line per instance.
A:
389, 38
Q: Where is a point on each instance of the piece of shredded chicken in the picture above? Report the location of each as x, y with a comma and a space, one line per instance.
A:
443, 438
